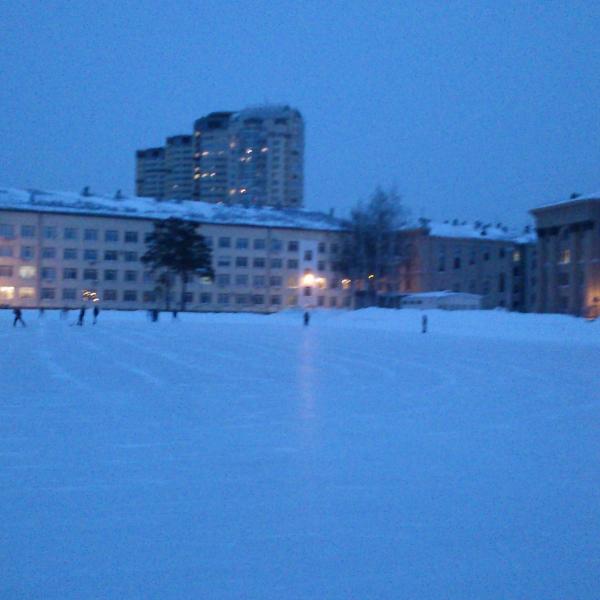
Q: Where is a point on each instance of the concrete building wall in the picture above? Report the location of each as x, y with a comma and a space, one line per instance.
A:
179, 167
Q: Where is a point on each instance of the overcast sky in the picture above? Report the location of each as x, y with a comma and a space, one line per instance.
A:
473, 110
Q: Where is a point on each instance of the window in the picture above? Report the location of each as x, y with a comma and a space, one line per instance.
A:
241, 280
7, 292
130, 256
292, 247
308, 255
48, 273
456, 263
565, 256
259, 244
275, 281
6, 271
70, 233
26, 292
321, 265
276, 263
320, 300
223, 280
109, 295
48, 252
111, 235
241, 243
89, 254
49, 233
335, 248
188, 297
258, 281
69, 294
241, 261
48, 293
149, 296
258, 263
501, 253
501, 282
241, 299
224, 261
486, 254
258, 299
27, 231
292, 300
321, 248
275, 300
224, 242
90, 235
223, 298
7, 231
110, 275
110, 255
70, 254
276, 245
6, 251
131, 275
292, 263
563, 279
69, 273
130, 296
333, 302
27, 252
90, 274
131, 237
205, 298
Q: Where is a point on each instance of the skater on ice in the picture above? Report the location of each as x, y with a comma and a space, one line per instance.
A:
81, 316
18, 317
306, 318
96, 313
424, 324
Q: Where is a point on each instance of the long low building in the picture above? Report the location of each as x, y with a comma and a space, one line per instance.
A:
57, 249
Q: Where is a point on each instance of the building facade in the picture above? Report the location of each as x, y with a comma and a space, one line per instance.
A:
470, 258
54, 253
254, 157
568, 257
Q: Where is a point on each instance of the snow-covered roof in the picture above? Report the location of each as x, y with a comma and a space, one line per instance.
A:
575, 200
477, 230
150, 208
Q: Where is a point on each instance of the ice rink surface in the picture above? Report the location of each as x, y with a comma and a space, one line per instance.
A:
248, 457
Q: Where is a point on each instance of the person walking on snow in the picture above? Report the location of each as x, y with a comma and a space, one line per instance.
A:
81, 316
18, 317
96, 313
306, 318
424, 324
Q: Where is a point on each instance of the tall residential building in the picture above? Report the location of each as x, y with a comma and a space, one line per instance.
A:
166, 172
211, 157
253, 157
179, 167
150, 172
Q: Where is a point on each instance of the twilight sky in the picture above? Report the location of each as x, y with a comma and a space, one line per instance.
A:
472, 109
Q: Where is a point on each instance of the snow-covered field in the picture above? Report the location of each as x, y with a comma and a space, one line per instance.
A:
248, 457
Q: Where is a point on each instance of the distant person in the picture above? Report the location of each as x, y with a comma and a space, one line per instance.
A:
306, 318
96, 313
424, 324
42, 311
81, 316
18, 317
174, 314
155, 314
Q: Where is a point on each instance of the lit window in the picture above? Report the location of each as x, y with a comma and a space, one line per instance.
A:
27, 272
7, 292
565, 256
26, 292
